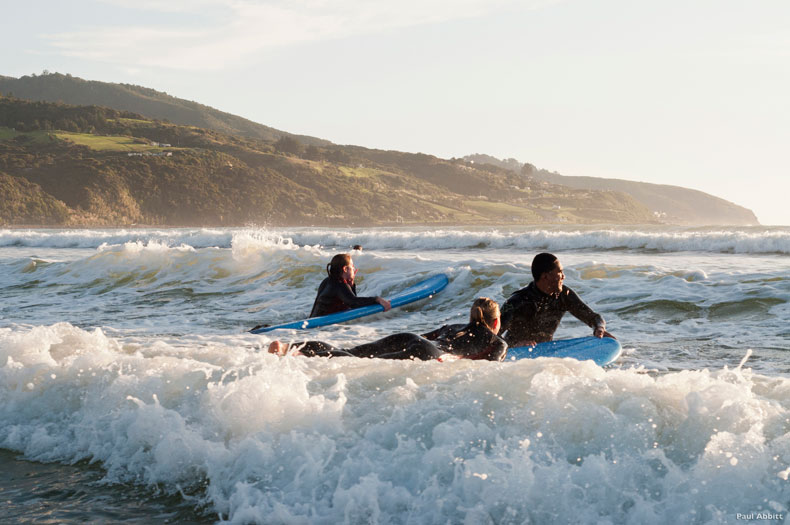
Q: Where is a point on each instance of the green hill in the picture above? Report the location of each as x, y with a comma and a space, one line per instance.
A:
540, 192
55, 87
91, 165
669, 204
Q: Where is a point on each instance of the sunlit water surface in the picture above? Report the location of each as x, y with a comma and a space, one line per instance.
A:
131, 391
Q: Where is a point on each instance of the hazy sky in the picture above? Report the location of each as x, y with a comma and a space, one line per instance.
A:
691, 93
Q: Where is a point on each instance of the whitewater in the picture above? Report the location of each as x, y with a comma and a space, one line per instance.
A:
131, 391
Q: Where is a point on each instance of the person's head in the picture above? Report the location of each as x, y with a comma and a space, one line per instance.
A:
341, 267
357, 247
486, 311
547, 273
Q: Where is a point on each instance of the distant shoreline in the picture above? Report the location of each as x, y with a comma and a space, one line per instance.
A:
385, 225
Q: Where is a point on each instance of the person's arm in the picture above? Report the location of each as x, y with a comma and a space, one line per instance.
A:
383, 302
432, 336
497, 349
584, 313
351, 300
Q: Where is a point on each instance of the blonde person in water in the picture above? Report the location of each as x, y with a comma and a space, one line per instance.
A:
477, 339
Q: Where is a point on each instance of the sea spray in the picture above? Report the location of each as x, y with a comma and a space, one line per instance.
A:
264, 438
755, 240
127, 353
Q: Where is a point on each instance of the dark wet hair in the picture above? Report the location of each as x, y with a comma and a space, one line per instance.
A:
336, 265
542, 263
484, 310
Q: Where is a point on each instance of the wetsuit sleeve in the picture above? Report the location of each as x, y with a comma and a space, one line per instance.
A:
319, 349
497, 350
447, 331
335, 296
434, 335
350, 299
581, 311
494, 350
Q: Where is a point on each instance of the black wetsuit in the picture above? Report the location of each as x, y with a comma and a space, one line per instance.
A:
335, 295
531, 315
472, 341
396, 346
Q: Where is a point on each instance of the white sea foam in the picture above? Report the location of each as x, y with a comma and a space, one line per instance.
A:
748, 240
132, 351
290, 440
757, 240
86, 238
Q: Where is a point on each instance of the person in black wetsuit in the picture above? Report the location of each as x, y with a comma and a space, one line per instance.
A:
338, 292
532, 314
478, 338
475, 340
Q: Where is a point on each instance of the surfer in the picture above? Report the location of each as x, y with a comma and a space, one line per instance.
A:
477, 339
338, 292
532, 314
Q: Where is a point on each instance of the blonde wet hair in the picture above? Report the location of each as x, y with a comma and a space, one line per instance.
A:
484, 310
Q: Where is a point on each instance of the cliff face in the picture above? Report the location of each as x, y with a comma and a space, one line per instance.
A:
25, 202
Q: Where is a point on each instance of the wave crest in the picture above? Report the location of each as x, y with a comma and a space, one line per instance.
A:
757, 240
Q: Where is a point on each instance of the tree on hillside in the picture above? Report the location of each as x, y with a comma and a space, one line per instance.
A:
289, 145
338, 156
312, 153
528, 169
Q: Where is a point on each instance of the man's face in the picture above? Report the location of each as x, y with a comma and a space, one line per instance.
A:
551, 281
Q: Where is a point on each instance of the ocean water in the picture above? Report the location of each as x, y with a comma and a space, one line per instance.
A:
131, 392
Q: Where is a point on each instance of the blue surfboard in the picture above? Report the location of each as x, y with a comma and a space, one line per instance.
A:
428, 287
603, 351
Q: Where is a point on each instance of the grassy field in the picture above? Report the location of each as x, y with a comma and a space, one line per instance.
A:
102, 143
361, 173
135, 121
33, 136
95, 142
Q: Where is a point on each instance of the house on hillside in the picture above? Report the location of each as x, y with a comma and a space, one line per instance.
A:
150, 154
